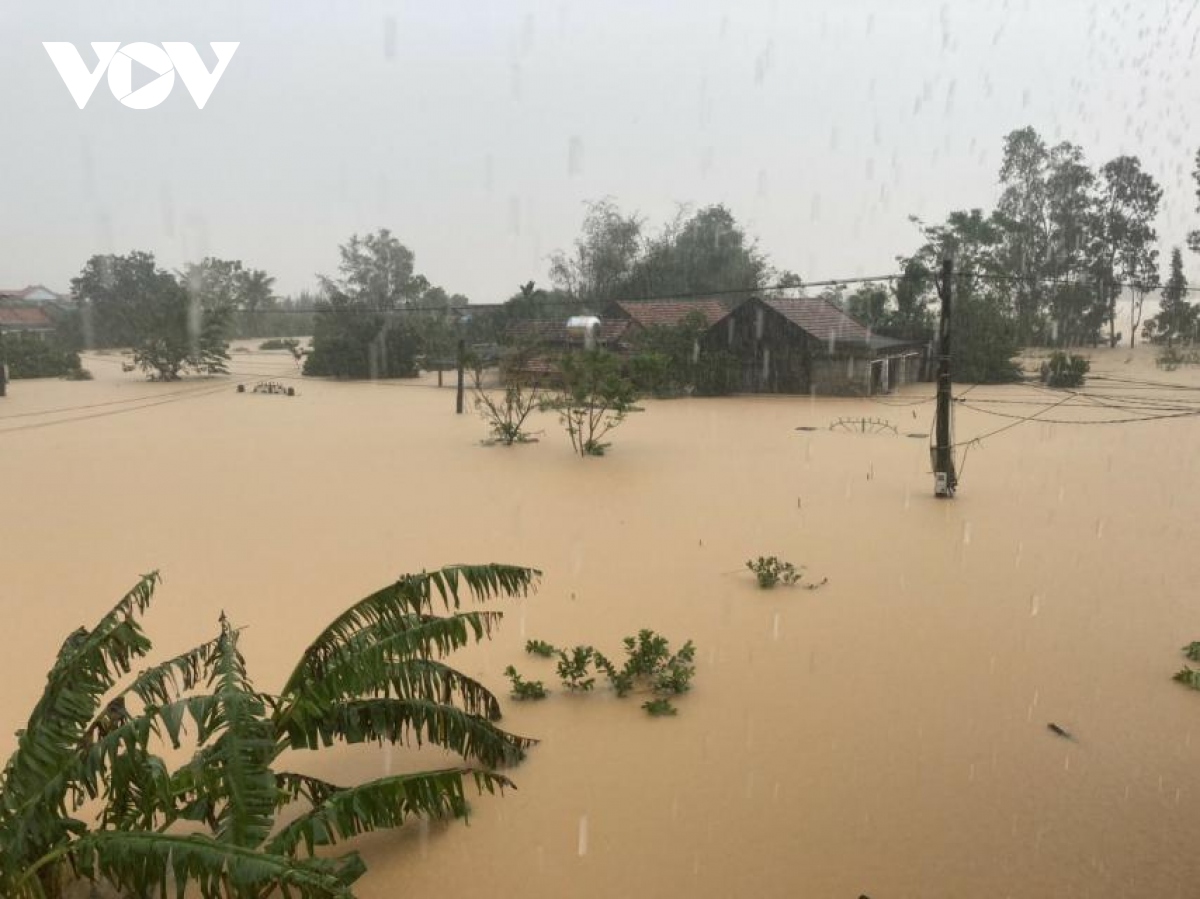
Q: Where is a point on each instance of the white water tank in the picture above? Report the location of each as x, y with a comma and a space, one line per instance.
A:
586, 327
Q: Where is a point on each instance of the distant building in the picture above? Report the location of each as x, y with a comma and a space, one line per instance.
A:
25, 318
657, 313
810, 345
536, 345
36, 295
784, 345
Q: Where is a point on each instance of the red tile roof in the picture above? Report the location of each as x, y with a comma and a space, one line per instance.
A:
24, 318
649, 313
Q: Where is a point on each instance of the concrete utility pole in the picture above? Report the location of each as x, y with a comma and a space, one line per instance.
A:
3, 367
944, 478
462, 358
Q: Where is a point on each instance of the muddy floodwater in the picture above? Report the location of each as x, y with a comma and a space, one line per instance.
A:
885, 735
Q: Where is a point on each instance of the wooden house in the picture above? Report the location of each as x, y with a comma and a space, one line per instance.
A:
809, 345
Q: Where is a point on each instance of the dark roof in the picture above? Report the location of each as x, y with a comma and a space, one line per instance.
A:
826, 322
555, 331
649, 313
822, 319
25, 318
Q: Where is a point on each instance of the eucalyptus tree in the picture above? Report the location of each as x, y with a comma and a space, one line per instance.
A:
1123, 234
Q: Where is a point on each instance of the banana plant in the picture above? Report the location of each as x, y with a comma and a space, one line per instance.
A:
375, 673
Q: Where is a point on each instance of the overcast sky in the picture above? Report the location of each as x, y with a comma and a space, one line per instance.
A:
476, 129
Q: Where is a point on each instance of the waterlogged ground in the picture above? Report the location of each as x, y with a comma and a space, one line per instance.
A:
884, 735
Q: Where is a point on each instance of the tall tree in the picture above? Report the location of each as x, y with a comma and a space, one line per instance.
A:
129, 300
985, 337
377, 271
226, 282
1175, 314
604, 256
1022, 214
705, 252
1144, 280
1124, 233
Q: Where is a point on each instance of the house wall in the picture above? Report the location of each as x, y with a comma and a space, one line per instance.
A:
773, 355
841, 375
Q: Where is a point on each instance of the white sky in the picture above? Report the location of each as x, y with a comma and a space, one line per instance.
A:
822, 124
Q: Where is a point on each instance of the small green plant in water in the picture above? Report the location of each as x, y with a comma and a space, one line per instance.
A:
657, 708
540, 648
523, 689
675, 676
573, 668
772, 571
1189, 677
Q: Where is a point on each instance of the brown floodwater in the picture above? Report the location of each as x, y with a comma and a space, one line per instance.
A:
885, 735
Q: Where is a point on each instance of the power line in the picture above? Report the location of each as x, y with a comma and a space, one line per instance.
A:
78, 418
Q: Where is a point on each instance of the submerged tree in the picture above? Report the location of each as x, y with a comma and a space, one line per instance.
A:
130, 301
595, 398
374, 674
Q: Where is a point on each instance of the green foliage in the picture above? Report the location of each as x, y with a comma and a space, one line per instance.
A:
280, 343
572, 668
771, 571
1189, 677
506, 417
1177, 317
129, 301
649, 665
1061, 370
594, 399
31, 356
1172, 357
651, 373
660, 707
375, 673
700, 251
377, 271
540, 648
1192, 651
352, 340
523, 689
666, 362
674, 674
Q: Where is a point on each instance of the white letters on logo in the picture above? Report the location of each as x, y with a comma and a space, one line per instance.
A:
163, 62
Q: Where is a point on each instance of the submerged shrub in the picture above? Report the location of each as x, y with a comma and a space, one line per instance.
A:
1061, 370
771, 571
523, 689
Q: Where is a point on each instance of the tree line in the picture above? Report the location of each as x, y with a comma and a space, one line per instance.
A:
1067, 248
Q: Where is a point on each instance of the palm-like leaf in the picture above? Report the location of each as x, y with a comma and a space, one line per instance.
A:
241, 760
411, 722
387, 802
40, 774
411, 595
141, 862
374, 674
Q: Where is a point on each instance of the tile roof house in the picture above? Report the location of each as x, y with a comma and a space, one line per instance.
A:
35, 294
808, 345
24, 319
